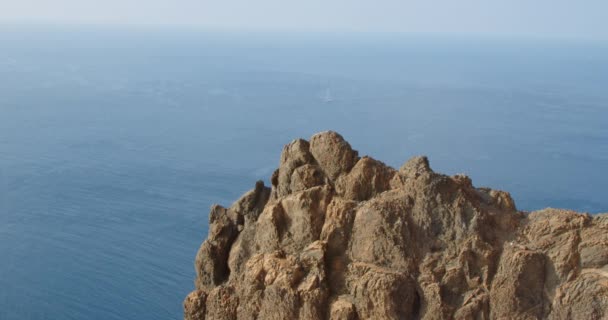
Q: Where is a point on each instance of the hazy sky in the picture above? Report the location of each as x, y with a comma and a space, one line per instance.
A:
555, 18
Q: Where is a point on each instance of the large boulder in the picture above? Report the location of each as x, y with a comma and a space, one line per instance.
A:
344, 237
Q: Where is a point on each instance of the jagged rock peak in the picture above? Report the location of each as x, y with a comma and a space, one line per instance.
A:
338, 236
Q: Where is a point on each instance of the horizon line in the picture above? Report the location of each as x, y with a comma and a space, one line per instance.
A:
186, 27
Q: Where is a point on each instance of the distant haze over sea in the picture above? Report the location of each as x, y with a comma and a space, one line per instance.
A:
114, 143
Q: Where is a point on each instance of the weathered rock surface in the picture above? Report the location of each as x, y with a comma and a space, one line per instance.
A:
344, 238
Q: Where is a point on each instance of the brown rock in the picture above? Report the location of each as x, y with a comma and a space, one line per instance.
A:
222, 303
212, 257
342, 309
294, 155
416, 166
518, 289
381, 293
332, 153
195, 305
367, 179
346, 238
306, 177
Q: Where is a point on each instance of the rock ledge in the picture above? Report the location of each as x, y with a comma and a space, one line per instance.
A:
344, 237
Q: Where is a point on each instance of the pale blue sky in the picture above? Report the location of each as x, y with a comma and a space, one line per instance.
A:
554, 18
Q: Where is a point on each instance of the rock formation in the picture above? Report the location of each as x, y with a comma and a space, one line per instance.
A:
344, 237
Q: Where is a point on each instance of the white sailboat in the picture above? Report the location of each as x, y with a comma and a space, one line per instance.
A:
328, 98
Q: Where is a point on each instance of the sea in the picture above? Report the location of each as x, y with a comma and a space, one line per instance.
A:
115, 141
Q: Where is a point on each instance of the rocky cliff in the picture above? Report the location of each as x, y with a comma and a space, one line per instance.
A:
338, 236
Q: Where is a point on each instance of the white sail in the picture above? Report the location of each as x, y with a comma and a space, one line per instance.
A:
328, 97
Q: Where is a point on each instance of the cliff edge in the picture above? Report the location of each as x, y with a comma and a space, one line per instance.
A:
339, 236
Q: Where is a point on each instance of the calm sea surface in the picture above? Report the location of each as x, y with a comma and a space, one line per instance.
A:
114, 143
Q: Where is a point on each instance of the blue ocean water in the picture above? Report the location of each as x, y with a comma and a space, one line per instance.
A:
114, 143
